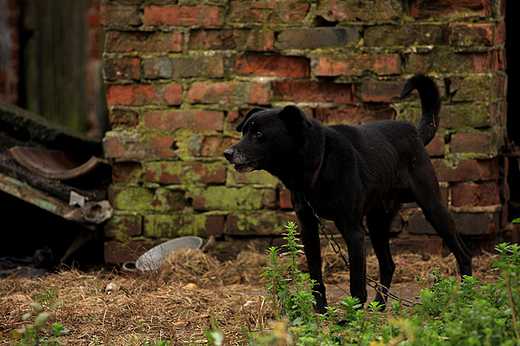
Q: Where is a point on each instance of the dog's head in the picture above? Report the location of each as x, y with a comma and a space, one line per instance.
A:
268, 135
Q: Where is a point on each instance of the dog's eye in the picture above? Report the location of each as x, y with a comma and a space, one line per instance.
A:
258, 134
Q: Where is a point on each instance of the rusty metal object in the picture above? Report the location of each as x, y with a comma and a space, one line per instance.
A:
58, 164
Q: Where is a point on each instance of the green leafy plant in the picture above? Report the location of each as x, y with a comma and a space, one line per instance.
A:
35, 333
452, 312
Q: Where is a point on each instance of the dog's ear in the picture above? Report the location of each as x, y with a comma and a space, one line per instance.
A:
293, 116
248, 115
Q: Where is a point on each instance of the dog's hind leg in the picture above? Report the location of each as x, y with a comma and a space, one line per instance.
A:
379, 222
427, 194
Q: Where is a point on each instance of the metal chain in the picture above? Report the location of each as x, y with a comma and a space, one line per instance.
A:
379, 288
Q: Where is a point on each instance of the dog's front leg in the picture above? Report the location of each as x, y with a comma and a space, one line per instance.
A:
311, 244
354, 235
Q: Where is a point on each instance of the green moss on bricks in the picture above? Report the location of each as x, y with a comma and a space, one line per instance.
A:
226, 198
174, 225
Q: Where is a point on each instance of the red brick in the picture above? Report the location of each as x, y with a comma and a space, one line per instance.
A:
315, 38
123, 118
285, 199
119, 15
121, 68
198, 172
267, 12
480, 34
183, 67
359, 10
178, 15
471, 194
273, 66
358, 65
468, 170
131, 148
141, 94
351, 115
218, 39
436, 147
121, 226
480, 142
213, 146
260, 93
228, 92
260, 40
264, 224
196, 120
452, 8
298, 91
126, 172
140, 41
380, 91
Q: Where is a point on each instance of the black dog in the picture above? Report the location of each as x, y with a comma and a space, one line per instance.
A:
344, 173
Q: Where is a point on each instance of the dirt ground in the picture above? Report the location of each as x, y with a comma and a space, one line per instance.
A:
189, 294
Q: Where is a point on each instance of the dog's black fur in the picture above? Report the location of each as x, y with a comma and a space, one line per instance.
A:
346, 173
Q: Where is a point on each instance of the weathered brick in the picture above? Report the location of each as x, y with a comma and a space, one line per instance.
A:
405, 35
380, 91
218, 39
314, 38
127, 172
178, 15
478, 142
143, 41
119, 15
353, 115
177, 172
196, 120
183, 67
136, 198
123, 118
388, 64
228, 92
142, 94
478, 88
472, 194
466, 35
215, 145
436, 147
285, 199
260, 40
273, 66
258, 224
358, 10
121, 68
175, 225
446, 61
295, 91
129, 146
451, 8
258, 178
267, 12
469, 115
467, 170
230, 199
123, 226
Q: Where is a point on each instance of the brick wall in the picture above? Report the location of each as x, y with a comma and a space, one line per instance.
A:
180, 76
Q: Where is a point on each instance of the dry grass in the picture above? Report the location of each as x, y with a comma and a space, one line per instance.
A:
180, 302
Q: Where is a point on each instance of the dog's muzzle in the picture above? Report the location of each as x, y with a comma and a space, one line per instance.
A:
242, 164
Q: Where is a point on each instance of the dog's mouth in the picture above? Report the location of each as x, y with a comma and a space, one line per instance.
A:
244, 167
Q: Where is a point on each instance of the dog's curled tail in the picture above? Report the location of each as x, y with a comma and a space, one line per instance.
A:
431, 105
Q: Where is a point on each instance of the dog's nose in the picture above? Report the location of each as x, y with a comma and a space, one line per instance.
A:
228, 154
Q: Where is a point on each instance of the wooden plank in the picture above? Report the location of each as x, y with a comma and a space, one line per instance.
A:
34, 196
